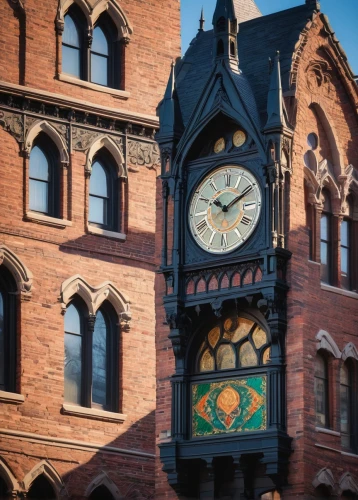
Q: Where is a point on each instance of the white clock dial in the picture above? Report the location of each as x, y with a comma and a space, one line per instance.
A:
225, 209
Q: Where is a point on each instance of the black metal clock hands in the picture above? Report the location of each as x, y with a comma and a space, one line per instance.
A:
238, 198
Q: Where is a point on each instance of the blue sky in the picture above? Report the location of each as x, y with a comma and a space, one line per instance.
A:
342, 14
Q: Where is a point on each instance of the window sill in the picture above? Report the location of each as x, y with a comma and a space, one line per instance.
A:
323, 430
11, 397
339, 291
81, 411
45, 219
103, 232
93, 86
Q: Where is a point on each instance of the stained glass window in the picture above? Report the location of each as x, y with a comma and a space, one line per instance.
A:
321, 391
233, 342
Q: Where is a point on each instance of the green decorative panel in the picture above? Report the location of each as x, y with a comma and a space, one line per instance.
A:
237, 405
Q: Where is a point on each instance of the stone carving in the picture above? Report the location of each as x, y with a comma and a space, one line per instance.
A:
350, 351
23, 276
319, 73
82, 138
13, 123
347, 483
143, 154
325, 341
324, 477
345, 182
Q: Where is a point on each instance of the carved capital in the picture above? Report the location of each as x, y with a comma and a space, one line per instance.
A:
143, 154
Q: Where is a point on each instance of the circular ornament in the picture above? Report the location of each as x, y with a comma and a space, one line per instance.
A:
239, 138
219, 145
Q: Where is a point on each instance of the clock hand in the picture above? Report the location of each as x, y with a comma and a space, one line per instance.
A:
218, 203
238, 198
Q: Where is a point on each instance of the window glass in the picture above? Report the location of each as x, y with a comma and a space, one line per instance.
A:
325, 248
71, 48
345, 397
99, 361
99, 57
99, 43
73, 355
39, 181
2, 344
99, 200
345, 254
321, 391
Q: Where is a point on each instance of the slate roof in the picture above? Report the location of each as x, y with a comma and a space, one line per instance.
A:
258, 40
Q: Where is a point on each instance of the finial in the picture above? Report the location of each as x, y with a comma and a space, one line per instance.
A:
202, 20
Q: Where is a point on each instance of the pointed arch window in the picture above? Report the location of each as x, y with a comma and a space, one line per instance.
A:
346, 405
43, 177
72, 44
326, 239
99, 57
41, 489
321, 391
104, 194
346, 248
91, 357
7, 331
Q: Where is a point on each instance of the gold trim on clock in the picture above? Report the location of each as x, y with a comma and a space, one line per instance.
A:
239, 138
219, 145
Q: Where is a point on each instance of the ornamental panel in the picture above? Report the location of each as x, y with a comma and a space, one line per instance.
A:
237, 405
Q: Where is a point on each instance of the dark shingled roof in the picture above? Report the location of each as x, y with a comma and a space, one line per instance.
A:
258, 40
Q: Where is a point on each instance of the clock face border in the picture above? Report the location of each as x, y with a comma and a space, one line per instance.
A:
240, 219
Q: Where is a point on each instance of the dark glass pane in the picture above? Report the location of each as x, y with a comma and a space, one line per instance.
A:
345, 233
99, 69
344, 260
39, 167
98, 210
98, 181
70, 34
3, 489
41, 489
73, 368
2, 344
320, 396
320, 367
72, 320
345, 409
312, 140
71, 61
39, 196
99, 361
324, 228
101, 493
99, 43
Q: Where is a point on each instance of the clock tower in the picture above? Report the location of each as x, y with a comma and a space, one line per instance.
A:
225, 187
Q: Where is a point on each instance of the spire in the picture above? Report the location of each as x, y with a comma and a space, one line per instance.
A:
275, 117
202, 20
169, 113
225, 33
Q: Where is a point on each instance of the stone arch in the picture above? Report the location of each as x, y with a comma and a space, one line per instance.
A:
347, 483
332, 135
106, 142
326, 342
92, 10
103, 480
324, 478
47, 469
23, 276
95, 296
349, 351
43, 126
10, 480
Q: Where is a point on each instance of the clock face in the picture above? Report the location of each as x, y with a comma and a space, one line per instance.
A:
225, 209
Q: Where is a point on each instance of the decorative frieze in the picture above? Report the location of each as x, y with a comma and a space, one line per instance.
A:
143, 154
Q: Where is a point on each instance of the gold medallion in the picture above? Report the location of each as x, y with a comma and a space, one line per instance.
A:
239, 138
219, 145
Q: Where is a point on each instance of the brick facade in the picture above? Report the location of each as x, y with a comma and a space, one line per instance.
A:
80, 450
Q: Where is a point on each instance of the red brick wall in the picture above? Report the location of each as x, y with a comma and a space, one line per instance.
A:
53, 255
311, 309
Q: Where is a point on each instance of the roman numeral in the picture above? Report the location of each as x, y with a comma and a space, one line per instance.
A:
227, 180
202, 198
212, 238
213, 186
200, 213
251, 205
246, 220
223, 240
238, 181
202, 227
237, 233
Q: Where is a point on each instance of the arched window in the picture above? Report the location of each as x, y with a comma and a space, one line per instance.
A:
7, 331
235, 342
346, 405
91, 357
346, 246
103, 195
101, 493
72, 42
326, 239
41, 489
321, 391
43, 177
99, 57
3, 489
73, 354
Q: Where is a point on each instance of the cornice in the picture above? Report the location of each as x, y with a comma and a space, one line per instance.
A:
60, 100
